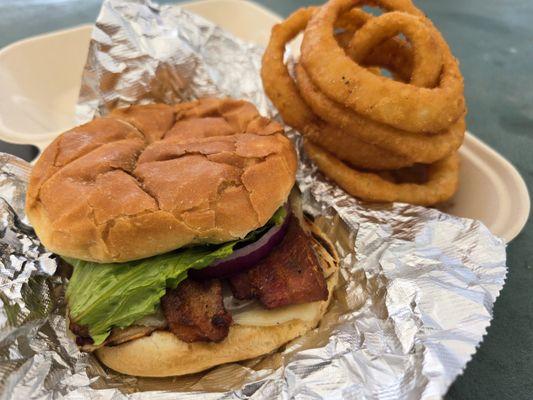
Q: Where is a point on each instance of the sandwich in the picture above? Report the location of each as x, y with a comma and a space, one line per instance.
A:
186, 246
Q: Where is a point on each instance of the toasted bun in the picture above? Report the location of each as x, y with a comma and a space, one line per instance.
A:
149, 179
163, 354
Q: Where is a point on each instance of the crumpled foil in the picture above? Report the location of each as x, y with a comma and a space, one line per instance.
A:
417, 285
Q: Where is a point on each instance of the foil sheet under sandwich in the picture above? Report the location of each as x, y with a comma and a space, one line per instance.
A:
417, 285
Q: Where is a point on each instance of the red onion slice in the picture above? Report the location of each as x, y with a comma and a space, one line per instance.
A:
245, 257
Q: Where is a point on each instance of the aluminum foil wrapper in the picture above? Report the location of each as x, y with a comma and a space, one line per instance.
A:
417, 285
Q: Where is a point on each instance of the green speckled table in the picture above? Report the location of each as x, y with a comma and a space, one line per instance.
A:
494, 41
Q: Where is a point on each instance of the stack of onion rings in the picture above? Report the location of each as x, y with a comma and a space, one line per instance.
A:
357, 123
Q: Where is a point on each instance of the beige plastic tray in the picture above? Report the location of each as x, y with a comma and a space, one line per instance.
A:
40, 79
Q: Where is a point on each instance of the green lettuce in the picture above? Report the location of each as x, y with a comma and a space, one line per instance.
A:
278, 217
105, 296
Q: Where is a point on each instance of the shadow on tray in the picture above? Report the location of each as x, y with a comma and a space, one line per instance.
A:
27, 152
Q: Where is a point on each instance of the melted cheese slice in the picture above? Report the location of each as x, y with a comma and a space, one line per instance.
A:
252, 313
255, 314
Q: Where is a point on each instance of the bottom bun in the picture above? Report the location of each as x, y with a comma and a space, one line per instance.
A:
163, 354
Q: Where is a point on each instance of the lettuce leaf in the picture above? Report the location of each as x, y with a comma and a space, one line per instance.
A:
103, 296
279, 216
114, 295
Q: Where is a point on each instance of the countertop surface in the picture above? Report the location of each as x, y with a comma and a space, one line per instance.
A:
493, 39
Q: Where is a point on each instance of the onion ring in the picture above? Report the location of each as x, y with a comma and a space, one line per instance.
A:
277, 82
427, 55
418, 147
283, 92
349, 148
336, 132
390, 102
443, 179
393, 54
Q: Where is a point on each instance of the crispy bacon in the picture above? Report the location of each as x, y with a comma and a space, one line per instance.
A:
290, 274
195, 311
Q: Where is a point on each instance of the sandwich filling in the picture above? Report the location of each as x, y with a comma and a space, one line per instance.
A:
113, 303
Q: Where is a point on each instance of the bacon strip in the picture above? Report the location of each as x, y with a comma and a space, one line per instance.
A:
195, 311
290, 274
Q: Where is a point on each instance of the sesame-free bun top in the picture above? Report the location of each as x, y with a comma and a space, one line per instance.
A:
149, 179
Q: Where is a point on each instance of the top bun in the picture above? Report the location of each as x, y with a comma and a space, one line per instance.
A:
149, 179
